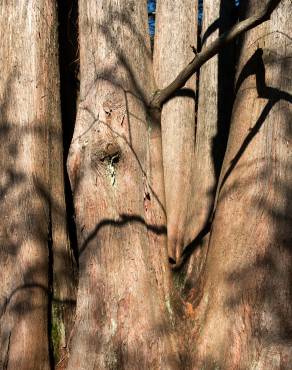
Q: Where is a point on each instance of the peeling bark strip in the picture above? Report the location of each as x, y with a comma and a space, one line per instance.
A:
124, 309
177, 118
249, 264
30, 127
161, 96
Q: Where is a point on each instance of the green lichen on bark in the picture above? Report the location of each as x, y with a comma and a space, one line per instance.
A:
111, 359
57, 332
179, 278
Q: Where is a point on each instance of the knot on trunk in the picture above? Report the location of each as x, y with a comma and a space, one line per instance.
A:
105, 152
106, 156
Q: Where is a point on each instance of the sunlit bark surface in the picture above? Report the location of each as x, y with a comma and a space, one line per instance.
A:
176, 32
215, 98
124, 309
244, 319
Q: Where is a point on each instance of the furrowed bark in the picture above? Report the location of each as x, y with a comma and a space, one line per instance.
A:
64, 272
124, 308
30, 127
172, 43
63, 262
161, 96
248, 271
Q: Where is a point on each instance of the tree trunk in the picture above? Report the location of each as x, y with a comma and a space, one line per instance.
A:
213, 118
204, 183
33, 227
172, 52
124, 317
247, 281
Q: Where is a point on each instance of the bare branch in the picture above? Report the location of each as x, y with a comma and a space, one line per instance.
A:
161, 96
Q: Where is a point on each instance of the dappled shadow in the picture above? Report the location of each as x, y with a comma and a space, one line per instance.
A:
255, 66
266, 283
123, 221
119, 280
251, 261
95, 120
135, 88
258, 288
195, 253
26, 250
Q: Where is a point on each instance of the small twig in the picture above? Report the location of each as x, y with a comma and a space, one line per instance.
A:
194, 50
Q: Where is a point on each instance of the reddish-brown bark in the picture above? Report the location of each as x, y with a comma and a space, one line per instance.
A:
244, 317
172, 41
124, 308
212, 124
33, 227
163, 95
239, 316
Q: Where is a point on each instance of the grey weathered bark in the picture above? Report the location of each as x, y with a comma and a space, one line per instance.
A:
172, 51
247, 282
124, 308
33, 227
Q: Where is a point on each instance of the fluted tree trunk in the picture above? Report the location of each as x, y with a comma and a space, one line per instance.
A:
124, 309
245, 313
176, 32
34, 252
204, 175
146, 196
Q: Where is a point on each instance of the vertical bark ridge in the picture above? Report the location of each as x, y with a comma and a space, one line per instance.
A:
171, 52
205, 180
29, 123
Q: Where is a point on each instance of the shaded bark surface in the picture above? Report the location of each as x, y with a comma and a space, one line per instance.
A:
172, 51
34, 246
124, 309
64, 277
247, 282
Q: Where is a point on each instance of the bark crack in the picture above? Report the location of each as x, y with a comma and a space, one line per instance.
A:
6, 358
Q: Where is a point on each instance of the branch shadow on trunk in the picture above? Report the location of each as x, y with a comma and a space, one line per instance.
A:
255, 66
124, 220
27, 202
263, 284
226, 61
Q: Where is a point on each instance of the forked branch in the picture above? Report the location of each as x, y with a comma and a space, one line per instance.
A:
161, 96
